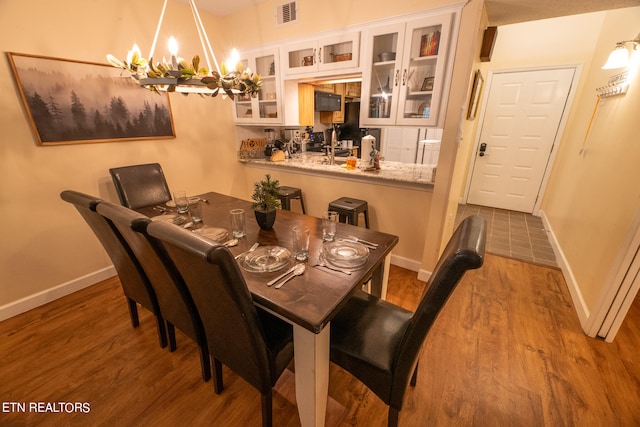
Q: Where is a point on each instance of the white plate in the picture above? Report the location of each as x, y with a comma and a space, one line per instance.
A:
265, 259
192, 201
345, 254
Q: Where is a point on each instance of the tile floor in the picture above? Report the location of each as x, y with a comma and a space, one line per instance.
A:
513, 234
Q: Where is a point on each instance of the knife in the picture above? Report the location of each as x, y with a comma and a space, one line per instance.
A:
251, 249
366, 242
368, 245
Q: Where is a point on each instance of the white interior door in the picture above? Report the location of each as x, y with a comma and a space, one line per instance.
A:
520, 125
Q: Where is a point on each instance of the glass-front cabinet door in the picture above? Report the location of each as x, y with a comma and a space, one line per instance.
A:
405, 72
266, 107
381, 84
326, 54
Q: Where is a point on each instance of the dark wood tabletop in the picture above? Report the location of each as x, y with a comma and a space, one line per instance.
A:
312, 299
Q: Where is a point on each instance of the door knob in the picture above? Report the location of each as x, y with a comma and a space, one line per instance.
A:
483, 148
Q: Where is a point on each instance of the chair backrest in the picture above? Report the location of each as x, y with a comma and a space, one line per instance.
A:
140, 185
175, 302
234, 333
464, 251
134, 281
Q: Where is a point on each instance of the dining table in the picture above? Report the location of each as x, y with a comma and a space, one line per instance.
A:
308, 301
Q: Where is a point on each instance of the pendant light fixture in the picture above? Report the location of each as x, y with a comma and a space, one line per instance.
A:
178, 75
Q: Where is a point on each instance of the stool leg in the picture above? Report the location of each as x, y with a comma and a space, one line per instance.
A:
353, 218
302, 205
286, 204
366, 218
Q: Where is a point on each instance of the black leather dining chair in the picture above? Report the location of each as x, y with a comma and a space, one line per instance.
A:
133, 279
139, 186
254, 344
379, 342
176, 304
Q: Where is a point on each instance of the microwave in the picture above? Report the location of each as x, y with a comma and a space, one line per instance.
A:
325, 101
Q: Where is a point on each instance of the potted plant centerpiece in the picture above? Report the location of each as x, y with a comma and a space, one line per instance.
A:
265, 201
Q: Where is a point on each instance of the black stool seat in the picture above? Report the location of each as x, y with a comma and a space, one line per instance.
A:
286, 194
349, 209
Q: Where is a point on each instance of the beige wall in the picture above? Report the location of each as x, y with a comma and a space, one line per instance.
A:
594, 192
592, 197
45, 243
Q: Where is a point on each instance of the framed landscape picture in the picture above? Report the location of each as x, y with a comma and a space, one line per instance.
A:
73, 102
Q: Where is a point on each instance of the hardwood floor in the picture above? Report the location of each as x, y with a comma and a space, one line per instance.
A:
507, 350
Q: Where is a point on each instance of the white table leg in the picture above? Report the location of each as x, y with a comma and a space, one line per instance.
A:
385, 277
311, 352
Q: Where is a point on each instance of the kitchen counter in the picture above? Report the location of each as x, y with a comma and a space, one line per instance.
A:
390, 173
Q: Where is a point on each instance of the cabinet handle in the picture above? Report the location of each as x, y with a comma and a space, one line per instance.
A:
395, 79
319, 55
404, 77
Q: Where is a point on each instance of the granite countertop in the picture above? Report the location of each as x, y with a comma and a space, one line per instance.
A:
391, 172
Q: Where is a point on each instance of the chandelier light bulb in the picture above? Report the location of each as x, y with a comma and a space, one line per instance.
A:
232, 61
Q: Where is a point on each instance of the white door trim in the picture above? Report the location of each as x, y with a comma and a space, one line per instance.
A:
616, 299
563, 122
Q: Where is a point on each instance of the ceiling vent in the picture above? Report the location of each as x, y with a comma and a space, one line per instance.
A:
287, 12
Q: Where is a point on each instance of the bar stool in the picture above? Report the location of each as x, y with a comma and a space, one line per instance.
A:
286, 194
349, 209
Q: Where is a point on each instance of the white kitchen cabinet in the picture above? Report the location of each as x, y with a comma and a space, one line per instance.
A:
339, 52
411, 144
266, 107
400, 144
405, 71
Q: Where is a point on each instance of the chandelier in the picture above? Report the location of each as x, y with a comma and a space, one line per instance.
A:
177, 75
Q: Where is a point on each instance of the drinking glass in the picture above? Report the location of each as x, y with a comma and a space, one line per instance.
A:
301, 242
352, 162
329, 221
237, 223
181, 201
195, 211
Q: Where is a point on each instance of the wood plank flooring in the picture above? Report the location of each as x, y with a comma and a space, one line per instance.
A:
507, 350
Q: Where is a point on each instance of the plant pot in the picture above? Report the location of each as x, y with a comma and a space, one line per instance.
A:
265, 219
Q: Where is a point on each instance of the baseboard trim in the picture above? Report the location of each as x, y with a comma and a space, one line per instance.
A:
411, 264
572, 284
41, 298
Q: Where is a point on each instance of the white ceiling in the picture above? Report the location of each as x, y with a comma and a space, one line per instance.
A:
501, 12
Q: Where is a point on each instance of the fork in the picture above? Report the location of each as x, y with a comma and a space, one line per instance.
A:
329, 267
251, 249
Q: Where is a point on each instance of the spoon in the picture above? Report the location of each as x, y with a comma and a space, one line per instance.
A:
286, 273
296, 272
230, 243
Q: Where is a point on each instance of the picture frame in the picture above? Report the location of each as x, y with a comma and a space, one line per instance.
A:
430, 44
476, 91
74, 102
427, 84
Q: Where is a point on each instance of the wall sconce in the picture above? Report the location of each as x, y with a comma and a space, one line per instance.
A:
619, 57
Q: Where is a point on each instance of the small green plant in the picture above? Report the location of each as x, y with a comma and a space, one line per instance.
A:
265, 194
